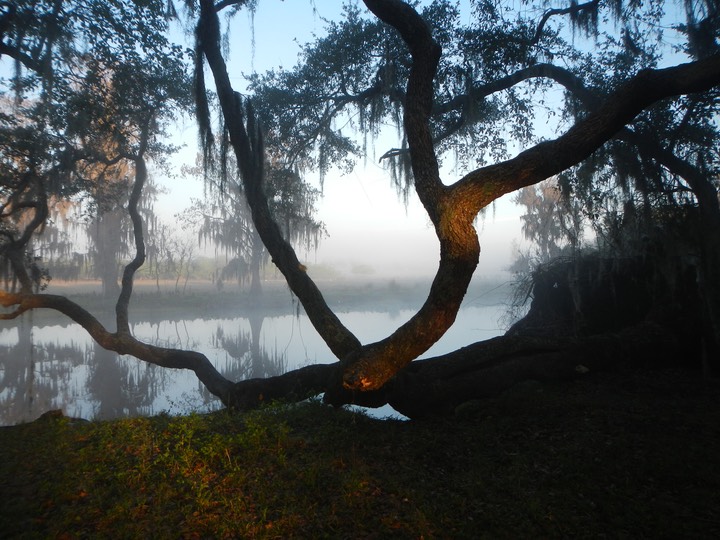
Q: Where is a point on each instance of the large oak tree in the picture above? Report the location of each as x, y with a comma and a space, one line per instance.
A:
432, 112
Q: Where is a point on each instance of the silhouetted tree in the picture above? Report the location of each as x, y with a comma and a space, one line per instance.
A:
225, 218
445, 85
434, 111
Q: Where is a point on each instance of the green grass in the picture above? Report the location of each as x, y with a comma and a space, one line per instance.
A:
631, 456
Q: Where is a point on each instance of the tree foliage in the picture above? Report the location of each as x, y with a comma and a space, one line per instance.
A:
224, 217
90, 93
442, 104
473, 90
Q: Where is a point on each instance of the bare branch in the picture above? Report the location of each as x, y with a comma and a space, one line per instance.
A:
481, 91
121, 307
123, 343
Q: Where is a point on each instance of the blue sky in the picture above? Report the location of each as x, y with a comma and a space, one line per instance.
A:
366, 222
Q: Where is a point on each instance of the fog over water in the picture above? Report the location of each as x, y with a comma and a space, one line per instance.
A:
48, 362
399, 241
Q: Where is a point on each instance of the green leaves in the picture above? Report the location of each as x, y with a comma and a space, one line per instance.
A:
97, 82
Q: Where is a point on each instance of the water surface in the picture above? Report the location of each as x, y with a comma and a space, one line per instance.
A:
53, 364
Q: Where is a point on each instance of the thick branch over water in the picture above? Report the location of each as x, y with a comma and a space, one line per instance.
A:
121, 342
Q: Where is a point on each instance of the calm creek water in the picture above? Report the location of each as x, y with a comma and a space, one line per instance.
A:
55, 365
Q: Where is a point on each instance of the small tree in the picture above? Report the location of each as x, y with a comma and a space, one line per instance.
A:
171, 254
225, 219
551, 221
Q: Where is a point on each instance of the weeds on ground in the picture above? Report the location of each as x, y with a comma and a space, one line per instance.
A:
631, 456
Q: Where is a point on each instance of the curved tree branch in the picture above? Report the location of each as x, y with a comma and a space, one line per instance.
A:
121, 307
370, 368
478, 92
122, 343
543, 70
548, 158
247, 144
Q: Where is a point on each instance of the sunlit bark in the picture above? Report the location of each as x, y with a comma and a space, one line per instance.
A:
378, 372
451, 209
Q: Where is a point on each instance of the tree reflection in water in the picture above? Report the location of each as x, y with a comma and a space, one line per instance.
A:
79, 377
121, 388
251, 360
35, 378
76, 375
47, 363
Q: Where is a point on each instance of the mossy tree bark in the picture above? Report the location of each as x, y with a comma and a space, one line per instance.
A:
376, 373
452, 209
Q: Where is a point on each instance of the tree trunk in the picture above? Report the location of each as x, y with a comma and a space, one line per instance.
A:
384, 372
438, 386
256, 257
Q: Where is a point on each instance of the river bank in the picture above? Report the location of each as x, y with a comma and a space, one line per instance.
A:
203, 298
628, 455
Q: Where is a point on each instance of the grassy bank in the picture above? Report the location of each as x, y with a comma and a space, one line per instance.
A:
633, 456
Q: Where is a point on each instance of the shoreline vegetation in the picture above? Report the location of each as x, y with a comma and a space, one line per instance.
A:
203, 298
625, 455
629, 454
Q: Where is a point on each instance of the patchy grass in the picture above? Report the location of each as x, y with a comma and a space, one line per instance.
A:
631, 456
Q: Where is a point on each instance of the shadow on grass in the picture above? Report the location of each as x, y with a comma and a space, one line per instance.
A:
627, 455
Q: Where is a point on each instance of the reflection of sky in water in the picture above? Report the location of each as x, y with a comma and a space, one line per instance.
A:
8, 336
67, 349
